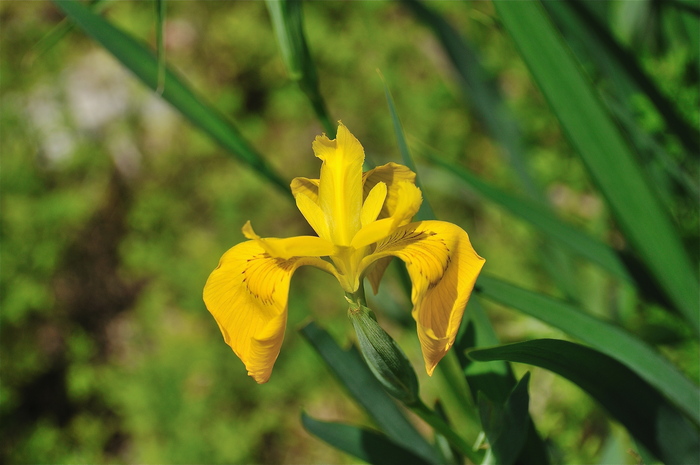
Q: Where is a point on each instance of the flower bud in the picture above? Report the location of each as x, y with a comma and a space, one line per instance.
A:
383, 356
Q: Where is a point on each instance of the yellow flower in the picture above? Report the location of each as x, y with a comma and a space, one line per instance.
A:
362, 220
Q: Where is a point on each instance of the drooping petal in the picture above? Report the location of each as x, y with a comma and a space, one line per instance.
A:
247, 295
443, 268
390, 174
286, 248
340, 186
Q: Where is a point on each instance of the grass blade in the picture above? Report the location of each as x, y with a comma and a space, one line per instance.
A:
140, 61
627, 397
160, 46
608, 339
608, 47
426, 211
481, 92
609, 159
354, 374
288, 23
543, 219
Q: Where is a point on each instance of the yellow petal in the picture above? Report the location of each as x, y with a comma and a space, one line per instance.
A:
306, 186
247, 295
299, 246
373, 203
313, 215
443, 268
340, 186
390, 174
407, 205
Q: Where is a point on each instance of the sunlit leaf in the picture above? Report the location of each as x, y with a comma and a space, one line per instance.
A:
140, 61
354, 374
603, 336
611, 163
646, 414
365, 444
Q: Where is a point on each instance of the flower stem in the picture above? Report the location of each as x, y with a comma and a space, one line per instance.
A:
434, 420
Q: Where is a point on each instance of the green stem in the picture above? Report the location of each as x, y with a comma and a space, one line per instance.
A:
434, 420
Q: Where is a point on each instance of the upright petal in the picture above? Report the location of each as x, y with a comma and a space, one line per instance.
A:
306, 186
408, 202
390, 174
340, 186
247, 295
443, 268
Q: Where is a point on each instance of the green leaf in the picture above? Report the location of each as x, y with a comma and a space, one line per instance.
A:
603, 45
544, 220
425, 212
506, 424
645, 413
367, 445
611, 163
160, 46
481, 92
288, 23
140, 61
495, 379
357, 378
609, 339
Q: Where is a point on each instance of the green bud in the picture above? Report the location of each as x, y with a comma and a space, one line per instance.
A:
383, 356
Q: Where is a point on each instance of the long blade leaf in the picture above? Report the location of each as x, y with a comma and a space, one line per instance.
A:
140, 61
354, 374
608, 339
608, 157
627, 397
543, 220
367, 445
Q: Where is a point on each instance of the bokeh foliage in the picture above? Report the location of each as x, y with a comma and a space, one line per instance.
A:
115, 209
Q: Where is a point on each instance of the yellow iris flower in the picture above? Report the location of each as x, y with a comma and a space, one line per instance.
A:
362, 220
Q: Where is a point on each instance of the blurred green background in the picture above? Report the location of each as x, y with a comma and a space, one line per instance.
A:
115, 210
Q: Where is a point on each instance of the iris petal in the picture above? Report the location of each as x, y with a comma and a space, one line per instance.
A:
443, 268
340, 186
391, 174
313, 215
247, 295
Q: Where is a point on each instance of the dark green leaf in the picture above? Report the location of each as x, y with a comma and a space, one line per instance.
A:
646, 414
506, 424
357, 378
365, 444
607, 155
609, 339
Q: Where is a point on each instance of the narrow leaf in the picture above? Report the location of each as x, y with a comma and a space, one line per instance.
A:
367, 445
357, 378
288, 23
506, 424
160, 46
140, 61
482, 94
645, 413
425, 212
607, 155
544, 220
608, 339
